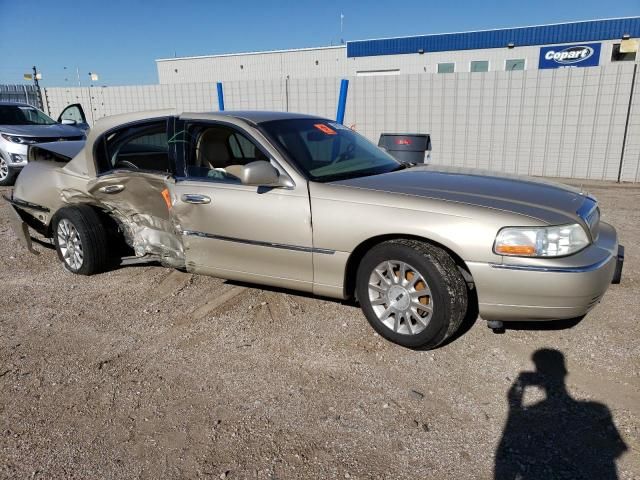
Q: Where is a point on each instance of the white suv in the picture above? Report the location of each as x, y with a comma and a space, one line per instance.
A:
22, 125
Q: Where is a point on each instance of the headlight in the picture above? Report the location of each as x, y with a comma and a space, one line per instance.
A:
20, 140
554, 241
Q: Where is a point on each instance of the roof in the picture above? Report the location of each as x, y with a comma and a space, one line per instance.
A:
14, 104
82, 164
308, 49
583, 31
555, 33
254, 116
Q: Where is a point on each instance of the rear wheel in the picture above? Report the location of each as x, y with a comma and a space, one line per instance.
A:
81, 240
411, 293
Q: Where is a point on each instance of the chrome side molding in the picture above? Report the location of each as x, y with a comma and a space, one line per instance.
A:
538, 268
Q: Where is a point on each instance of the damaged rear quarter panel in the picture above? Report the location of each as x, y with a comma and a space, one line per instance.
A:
141, 208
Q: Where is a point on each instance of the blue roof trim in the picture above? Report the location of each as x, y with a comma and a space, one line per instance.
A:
593, 30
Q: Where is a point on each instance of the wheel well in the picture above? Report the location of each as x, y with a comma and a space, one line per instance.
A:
109, 222
360, 251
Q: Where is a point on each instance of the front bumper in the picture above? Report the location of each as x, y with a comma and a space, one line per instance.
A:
549, 289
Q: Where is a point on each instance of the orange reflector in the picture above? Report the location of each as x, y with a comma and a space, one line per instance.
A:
516, 249
167, 197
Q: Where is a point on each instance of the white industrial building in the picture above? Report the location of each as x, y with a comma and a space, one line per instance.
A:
520, 48
497, 99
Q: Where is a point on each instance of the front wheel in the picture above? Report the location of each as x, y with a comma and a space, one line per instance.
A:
7, 175
411, 292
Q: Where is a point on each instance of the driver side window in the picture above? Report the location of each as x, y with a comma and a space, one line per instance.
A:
218, 152
139, 147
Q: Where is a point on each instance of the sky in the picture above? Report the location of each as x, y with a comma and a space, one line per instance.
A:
119, 40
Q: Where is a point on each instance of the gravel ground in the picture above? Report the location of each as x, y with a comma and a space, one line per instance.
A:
147, 372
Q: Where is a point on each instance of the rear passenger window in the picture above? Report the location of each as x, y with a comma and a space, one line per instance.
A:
140, 147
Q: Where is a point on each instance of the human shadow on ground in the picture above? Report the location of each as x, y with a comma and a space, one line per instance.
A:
558, 437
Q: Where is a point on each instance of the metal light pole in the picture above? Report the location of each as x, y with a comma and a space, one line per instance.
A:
93, 77
37, 76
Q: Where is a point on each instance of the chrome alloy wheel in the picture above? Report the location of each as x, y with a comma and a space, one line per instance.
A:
70, 244
4, 169
400, 297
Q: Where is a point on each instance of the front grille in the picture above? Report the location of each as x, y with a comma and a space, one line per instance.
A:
55, 139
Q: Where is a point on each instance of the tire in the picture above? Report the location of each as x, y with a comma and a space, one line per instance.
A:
7, 175
81, 240
390, 303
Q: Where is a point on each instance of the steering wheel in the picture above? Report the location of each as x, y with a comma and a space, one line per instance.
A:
347, 154
126, 164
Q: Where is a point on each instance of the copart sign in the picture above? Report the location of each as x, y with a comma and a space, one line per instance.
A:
582, 55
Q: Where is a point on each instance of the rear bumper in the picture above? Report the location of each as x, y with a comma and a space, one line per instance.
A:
549, 289
20, 228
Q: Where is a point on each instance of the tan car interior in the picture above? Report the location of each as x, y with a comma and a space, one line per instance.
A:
221, 153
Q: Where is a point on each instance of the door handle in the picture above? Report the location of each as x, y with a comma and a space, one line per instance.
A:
195, 198
111, 189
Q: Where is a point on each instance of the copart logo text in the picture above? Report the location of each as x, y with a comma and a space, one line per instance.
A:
570, 55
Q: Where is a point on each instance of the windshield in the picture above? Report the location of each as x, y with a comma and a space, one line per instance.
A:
328, 151
23, 115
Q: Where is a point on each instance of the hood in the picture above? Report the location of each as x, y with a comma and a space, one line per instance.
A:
545, 201
42, 131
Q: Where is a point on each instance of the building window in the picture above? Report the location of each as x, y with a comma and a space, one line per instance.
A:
479, 66
618, 56
514, 64
446, 67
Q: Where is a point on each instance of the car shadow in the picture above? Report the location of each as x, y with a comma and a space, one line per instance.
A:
544, 325
559, 436
287, 291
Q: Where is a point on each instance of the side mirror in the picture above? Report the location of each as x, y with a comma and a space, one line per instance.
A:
261, 174
66, 121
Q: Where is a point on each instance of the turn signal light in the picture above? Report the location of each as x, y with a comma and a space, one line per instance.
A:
515, 249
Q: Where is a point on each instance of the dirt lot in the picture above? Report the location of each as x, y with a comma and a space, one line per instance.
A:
146, 372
